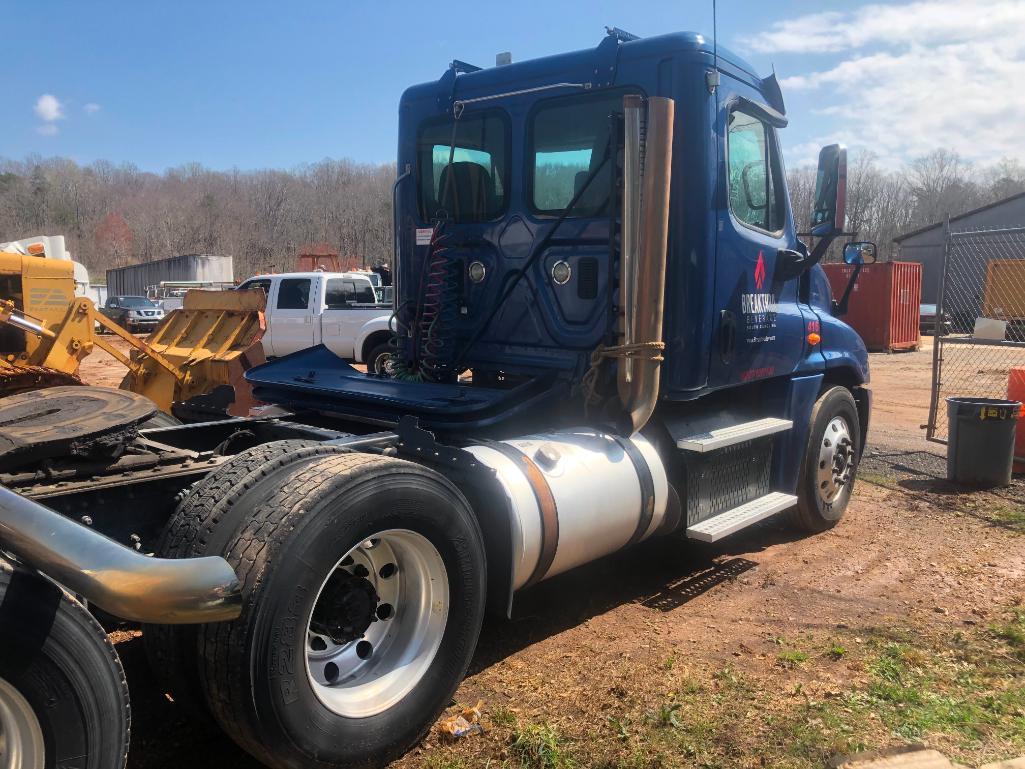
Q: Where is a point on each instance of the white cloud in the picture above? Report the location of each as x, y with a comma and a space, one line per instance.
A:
48, 129
915, 77
925, 22
49, 108
91, 108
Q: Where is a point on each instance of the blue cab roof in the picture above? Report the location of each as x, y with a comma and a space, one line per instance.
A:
580, 62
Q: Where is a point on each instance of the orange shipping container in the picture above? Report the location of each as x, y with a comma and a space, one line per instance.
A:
884, 305
1004, 298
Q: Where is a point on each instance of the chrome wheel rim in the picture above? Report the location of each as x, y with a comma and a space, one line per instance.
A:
836, 462
21, 736
382, 364
377, 623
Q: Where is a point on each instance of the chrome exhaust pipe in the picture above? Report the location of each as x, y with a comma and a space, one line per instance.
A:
647, 172
116, 578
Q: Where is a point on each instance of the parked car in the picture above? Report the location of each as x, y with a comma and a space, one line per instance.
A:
927, 321
134, 313
337, 309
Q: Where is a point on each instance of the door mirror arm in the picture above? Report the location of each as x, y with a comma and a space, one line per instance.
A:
840, 307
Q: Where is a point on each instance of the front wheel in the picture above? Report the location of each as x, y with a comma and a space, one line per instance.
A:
363, 596
830, 462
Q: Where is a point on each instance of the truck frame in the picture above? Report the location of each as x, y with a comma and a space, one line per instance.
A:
606, 330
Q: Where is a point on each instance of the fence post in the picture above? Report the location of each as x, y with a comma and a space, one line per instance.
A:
937, 359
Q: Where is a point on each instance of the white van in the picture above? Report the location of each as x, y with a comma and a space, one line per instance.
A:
337, 309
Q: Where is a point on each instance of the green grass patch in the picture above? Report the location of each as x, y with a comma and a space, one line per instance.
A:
792, 658
1006, 514
539, 746
836, 652
1012, 632
667, 715
878, 479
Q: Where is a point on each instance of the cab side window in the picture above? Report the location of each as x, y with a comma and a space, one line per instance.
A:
365, 293
340, 294
755, 173
294, 294
263, 283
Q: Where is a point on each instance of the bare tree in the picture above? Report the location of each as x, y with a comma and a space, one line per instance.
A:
114, 215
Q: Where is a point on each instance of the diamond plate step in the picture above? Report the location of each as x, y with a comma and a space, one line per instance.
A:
736, 519
727, 436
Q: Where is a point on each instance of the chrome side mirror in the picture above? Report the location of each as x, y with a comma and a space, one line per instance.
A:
863, 252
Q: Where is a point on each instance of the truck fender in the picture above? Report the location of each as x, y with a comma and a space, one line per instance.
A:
804, 391
492, 510
379, 326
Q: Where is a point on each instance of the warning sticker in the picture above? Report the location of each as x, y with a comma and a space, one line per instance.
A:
423, 235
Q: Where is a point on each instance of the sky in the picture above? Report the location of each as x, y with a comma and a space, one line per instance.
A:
272, 84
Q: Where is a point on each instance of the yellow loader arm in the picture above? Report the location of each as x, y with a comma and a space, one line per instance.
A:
212, 340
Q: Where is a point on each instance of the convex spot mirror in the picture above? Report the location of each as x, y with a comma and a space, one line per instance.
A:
863, 252
829, 208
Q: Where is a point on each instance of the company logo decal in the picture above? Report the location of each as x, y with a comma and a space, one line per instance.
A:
760, 271
759, 308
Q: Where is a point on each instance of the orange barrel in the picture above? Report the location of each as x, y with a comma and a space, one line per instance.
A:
1016, 392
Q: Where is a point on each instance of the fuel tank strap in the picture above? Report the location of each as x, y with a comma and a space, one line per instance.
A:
647, 487
545, 503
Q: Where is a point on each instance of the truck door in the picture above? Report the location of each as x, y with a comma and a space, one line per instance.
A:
337, 321
761, 326
292, 315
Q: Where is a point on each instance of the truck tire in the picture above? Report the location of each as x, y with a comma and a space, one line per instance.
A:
378, 358
830, 462
63, 694
363, 581
203, 524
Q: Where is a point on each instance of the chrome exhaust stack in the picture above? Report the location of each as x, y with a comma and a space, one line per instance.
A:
647, 172
116, 578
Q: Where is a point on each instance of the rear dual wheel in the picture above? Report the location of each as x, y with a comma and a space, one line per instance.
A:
63, 694
363, 594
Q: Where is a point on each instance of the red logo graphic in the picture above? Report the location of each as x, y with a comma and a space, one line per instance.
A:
760, 271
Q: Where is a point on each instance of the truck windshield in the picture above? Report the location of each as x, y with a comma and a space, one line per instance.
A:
136, 301
474, 187
569, 138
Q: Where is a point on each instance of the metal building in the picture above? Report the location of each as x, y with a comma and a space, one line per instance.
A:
134, 279
926, 245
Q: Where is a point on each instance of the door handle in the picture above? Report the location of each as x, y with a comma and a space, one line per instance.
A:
727, 335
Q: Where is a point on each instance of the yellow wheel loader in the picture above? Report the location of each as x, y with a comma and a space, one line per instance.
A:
46, 331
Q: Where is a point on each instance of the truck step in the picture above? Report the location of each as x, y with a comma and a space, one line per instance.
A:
724, 524
728, 436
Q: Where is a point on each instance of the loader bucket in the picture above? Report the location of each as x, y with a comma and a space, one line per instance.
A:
212, 340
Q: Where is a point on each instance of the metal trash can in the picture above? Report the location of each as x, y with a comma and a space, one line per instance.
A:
980, 442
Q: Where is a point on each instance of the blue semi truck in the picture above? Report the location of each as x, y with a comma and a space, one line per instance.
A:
606, 330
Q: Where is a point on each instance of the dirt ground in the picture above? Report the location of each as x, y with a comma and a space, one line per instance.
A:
902, 624
100, 367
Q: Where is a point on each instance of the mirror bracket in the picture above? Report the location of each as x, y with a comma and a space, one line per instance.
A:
840, 307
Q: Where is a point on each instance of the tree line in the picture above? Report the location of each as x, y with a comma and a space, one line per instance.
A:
114, 215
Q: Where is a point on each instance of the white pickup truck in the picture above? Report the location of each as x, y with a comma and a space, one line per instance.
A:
336, 309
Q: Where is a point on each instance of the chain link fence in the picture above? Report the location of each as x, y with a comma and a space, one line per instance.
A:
980, 318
